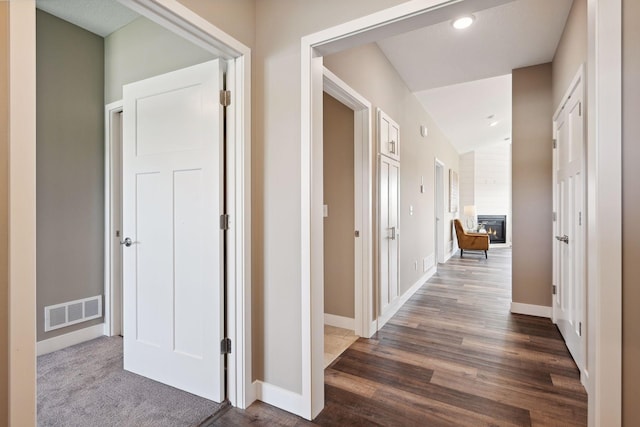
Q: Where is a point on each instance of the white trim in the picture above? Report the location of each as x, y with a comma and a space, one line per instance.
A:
174, 16
112, 274
363, 193
72, 338
340, 321
604, 195
396, 305
280, 398
439, 164
178, 18
531, 310
604, 207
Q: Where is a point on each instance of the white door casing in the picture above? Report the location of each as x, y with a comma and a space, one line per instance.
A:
172, 200
439, 210
569, 301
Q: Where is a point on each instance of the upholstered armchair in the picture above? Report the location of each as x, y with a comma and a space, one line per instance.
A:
471, 241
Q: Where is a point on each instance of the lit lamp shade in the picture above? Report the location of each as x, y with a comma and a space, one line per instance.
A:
470, 211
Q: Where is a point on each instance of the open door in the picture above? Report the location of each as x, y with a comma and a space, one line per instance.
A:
569, 299
173, 255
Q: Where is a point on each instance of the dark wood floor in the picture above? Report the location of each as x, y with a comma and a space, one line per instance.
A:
452, 356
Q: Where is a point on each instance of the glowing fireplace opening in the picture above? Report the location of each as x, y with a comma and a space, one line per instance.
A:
496, 226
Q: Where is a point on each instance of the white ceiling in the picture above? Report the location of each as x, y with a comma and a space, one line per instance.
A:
464, 64
101, 17
462, 111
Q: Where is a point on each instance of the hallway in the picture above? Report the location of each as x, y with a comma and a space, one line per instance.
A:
453, 355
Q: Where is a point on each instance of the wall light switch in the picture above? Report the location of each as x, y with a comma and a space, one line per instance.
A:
424, 131
325, 210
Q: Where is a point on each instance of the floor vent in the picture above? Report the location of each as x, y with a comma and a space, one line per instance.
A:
72, 312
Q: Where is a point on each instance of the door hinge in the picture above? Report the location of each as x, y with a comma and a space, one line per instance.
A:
579, 328
579, 218
225, 98
224, 222
580, 109
555, 217
555, 143
554, 289
225, 346
357, 233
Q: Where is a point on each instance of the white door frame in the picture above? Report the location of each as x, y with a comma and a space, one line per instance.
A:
334, 86
112, 219
439, 211
22, 142
173, 16
604, 191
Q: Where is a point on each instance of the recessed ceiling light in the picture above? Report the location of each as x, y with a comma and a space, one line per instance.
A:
463, 22
492, 124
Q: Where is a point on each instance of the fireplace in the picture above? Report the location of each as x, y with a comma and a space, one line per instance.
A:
496, 226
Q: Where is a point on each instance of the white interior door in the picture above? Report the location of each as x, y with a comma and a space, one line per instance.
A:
568, 270
389, 231
172, 201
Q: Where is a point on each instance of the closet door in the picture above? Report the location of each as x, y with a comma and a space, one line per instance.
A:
388, 136
389, 231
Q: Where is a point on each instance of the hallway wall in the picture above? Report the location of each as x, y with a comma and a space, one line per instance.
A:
532, 186
4, 213
630, 213
370, 73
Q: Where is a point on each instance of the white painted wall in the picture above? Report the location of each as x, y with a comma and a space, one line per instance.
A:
485, 180
467, 180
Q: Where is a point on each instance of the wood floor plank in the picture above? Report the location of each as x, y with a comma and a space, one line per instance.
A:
452, 356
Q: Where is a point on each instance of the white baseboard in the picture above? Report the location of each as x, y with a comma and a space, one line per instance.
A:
531, 310
393, 308
67, 340
279, 397
340, 321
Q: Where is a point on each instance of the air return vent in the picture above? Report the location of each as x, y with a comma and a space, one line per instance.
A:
72, 312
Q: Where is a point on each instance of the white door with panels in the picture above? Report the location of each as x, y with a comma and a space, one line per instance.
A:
388, 136
388, 210
389, 231
569, 286
173, 254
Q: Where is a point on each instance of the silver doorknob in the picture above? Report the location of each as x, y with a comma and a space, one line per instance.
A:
127, 242
564, 238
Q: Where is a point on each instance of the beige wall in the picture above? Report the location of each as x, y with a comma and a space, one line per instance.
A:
339, 196
234, 17
368, 71
531, 180
4, 211
276, 176
630, 213
144, 49
571, 52
70, 144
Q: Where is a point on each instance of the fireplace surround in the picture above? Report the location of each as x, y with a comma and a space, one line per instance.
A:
496, 227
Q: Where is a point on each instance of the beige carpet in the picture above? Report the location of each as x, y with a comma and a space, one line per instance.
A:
85, 385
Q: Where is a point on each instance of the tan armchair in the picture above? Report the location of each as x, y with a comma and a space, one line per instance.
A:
471, 241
